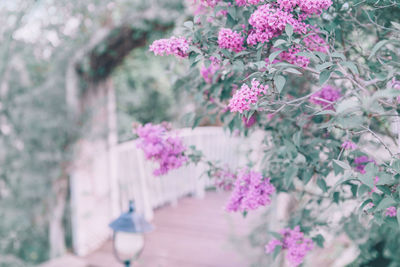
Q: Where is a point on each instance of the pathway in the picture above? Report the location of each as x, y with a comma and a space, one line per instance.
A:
194, 233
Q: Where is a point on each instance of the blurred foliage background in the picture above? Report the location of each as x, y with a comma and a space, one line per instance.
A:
38, 40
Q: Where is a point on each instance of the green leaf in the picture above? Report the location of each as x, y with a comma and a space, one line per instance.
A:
385, 203
242, 53
338, 55
289, 174
232, 12
319, 240
336, 197
297, 138
307, 175
279, 82
289, 30
275, 234
377, 46
292, 70
362, 189
307, 55
277, 250
322, 66
279, 42
324, 76
385, 178
321, 55
351, 66
346, 105
343, 165
398, 217
188, 24
273, 55
260, 64
364, 204
322, 184
396, 165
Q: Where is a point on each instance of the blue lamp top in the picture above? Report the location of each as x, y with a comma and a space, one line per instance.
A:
131, 222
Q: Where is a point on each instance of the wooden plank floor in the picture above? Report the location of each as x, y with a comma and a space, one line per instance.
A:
194, 233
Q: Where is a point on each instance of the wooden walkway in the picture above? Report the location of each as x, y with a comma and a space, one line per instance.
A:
194, 233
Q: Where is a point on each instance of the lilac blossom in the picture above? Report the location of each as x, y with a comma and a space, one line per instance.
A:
160, 146
391, 211
251, 191
294, 242
243, 98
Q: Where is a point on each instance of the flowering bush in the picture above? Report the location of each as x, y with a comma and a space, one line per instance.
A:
321, 79
251, 191
162, 147
294, 242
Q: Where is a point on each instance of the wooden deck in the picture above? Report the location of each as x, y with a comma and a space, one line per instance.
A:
194, 233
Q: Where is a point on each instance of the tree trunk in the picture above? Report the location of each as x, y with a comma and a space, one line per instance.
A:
56, 227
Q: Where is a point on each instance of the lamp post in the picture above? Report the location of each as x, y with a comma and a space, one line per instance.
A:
128, 236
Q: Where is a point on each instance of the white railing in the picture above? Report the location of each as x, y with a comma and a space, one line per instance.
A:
102, 186
136, 181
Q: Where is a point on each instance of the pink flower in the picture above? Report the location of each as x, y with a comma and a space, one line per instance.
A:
314, 42
249, 122
210, 3
270, 247
172, 46
294, 242
160, 146
395, 85
243, 98
291, 57
326, 97
247, 2
308, 7
391, 211
349, 145
269, 21
230, 40
361, 162
251, 191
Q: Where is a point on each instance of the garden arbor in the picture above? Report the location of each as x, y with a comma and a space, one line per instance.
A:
90, 95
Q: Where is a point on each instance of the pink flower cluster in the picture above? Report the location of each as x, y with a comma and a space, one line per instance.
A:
162, 147
251, 191
314, 42
360, 163
210, 3
391, 211
269, 21
231, 40
294, 242
243, 98
291, 57
308, 7
247, 2
177, 46
326, 97
349, 145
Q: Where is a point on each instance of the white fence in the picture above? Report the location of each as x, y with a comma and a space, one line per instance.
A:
121, 173
136, 181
